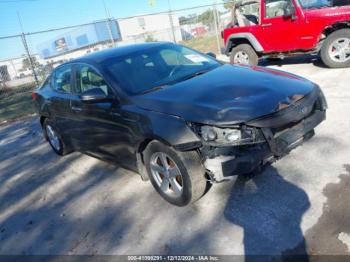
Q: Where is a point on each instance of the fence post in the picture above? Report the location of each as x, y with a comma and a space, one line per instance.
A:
110, 31
171, 22
172, 26
108, 21
216, 27
30, 58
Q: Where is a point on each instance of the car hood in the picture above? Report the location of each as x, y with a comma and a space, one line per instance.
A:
229, 94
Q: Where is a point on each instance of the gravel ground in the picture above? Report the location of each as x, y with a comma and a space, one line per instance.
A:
80, 205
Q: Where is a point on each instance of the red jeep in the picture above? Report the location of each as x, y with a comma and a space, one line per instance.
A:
278, 28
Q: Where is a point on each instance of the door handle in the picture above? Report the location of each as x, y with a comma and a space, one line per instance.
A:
77, 109
266, 25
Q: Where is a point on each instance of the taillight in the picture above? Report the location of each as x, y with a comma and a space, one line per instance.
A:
35, 96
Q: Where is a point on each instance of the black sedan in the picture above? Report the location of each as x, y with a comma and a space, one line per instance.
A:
176, 116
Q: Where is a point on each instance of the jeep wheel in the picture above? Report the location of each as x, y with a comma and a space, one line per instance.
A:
335, 52
244, 54
177, 176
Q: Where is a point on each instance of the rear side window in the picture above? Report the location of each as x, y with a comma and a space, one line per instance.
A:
46, 83
61, 80
87, 78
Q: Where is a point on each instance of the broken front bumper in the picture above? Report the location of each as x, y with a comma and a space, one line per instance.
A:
222, 163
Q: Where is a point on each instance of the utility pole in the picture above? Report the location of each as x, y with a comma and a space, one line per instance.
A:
171, 22
216, 27
109, 23
24, 41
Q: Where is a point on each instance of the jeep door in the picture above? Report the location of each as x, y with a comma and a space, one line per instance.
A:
280, 25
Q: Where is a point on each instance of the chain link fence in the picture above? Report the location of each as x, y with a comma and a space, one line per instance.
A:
36, 54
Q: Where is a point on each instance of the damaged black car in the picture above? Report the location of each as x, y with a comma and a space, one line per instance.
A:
179, 118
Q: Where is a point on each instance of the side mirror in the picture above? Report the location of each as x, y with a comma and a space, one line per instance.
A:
94, 95
211, 54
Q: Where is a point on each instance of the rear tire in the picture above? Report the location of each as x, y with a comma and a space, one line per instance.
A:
244, 54
180, 178
335, 51
54, 138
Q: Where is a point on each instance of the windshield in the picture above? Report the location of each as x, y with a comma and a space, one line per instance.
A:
157, 67
309, 4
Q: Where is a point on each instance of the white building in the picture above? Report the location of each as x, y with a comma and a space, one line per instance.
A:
14, 66
138, 29
149, 27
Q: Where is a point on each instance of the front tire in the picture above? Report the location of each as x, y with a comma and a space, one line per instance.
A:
54, 138
177, 176
244, 54
335, 51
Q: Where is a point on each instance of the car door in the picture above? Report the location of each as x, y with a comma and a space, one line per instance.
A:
59, 101
280, 26
100, 128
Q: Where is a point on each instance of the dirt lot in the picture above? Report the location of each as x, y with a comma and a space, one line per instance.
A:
80, 205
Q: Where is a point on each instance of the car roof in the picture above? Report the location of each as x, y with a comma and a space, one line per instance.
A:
100, 56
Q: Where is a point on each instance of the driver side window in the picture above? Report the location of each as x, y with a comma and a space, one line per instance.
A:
87, 78
277, 8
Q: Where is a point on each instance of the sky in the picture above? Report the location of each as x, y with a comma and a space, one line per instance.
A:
37, 15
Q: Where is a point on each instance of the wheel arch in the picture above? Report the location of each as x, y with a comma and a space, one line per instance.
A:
186, 145
243, 38
141, 147
42, 120
334, 27
140, 160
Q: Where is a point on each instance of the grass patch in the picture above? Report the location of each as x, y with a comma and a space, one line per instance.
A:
204, 44
16, 102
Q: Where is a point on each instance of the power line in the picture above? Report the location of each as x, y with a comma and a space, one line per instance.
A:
106, 20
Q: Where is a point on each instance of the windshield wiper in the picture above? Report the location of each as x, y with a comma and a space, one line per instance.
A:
196, 74
173, 82
152, 89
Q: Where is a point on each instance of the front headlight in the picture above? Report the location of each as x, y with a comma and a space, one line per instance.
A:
208, 133
230, 136
233, 135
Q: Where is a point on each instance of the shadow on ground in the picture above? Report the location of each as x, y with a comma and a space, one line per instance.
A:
79, 205
333, 228
269, 209
294, 60
38, 191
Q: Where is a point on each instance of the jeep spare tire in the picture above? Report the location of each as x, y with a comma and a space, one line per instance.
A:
244, 54
335, 51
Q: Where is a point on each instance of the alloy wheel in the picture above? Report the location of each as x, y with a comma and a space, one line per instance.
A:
166, 174
53, 138
339, 50
241, 57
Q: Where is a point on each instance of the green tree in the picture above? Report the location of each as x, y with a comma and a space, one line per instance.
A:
150, 38
26, 63
207, 18
228, 4
4, 74
189, 19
